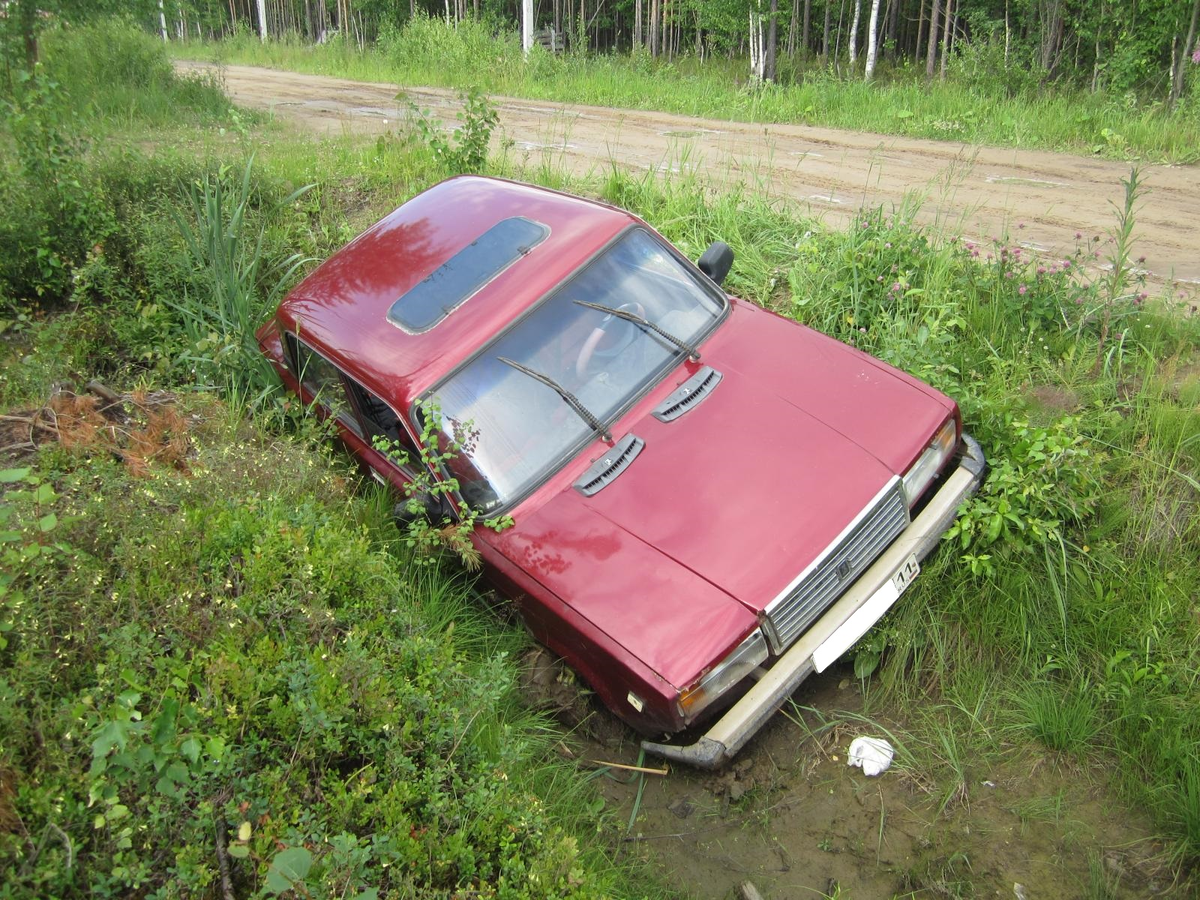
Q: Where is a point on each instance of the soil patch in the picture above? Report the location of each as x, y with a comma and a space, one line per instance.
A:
792, 817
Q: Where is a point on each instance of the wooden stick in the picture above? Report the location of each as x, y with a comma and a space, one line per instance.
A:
612, 765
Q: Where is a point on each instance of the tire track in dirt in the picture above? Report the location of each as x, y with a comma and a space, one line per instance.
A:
1041, 199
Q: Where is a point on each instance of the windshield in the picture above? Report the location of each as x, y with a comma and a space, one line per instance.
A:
511, 430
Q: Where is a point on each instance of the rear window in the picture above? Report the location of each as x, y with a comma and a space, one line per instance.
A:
462, 275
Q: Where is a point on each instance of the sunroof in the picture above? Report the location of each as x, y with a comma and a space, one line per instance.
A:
453, 282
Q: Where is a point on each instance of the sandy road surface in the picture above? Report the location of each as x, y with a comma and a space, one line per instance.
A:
978, 190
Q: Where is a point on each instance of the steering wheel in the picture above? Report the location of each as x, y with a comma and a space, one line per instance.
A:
609, 338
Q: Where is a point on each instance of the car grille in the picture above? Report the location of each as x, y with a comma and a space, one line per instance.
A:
789, 614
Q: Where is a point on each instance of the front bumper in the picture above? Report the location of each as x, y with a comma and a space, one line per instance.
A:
740, 723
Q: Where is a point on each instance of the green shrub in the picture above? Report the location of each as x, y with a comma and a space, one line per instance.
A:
225, 665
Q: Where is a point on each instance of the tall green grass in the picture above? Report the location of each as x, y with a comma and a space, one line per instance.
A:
221, 316
975, 105
117, 76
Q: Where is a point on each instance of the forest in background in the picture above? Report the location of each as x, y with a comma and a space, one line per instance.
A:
1143, 50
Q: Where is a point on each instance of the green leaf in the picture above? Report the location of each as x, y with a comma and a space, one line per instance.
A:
110, 736
239, 851
163, 730
288, 867
48, 522
10, 476
215, 747
191, 749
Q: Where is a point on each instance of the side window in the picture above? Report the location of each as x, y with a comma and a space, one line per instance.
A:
381, 420
323, 381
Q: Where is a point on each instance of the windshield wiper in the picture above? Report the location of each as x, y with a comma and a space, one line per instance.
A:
692, 352
572, 400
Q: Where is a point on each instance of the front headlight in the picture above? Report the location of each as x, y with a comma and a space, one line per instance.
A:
747, 656
917, 478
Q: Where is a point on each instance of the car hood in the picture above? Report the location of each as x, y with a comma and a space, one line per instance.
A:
678, 555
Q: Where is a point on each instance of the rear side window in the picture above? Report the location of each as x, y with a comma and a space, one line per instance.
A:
323, 381
457, 279
380, 419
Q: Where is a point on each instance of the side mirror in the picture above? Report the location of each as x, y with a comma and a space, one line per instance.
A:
717, 261
429, 507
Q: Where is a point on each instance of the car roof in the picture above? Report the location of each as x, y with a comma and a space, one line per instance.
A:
341, 308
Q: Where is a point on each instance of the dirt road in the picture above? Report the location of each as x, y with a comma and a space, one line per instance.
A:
981, 191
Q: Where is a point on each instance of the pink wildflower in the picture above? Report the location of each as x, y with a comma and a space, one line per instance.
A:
1041, 270
1078, 235
1021, 290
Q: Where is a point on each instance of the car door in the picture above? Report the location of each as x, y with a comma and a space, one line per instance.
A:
362, 417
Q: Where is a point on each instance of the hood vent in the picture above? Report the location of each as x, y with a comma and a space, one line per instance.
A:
605, 470
688, 395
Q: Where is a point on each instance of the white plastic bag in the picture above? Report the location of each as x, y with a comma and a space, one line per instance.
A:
874, 755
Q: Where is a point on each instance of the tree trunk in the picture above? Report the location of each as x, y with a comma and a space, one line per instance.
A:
872, 40
931, 55
920, 33
1051, 36
805, 31
947, 37
854, 34
772, 35
637, 23
1188, 44
27, 16
825, 35
262, 20
654, 27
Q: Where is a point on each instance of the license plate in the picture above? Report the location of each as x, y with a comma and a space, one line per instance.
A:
865, 616
907, 573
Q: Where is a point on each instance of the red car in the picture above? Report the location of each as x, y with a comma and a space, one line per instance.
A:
709, 501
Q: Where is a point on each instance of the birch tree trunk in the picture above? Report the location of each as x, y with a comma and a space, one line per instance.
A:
947, 37
262, 20
526, 25
162, 21
872, 40
854, 35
